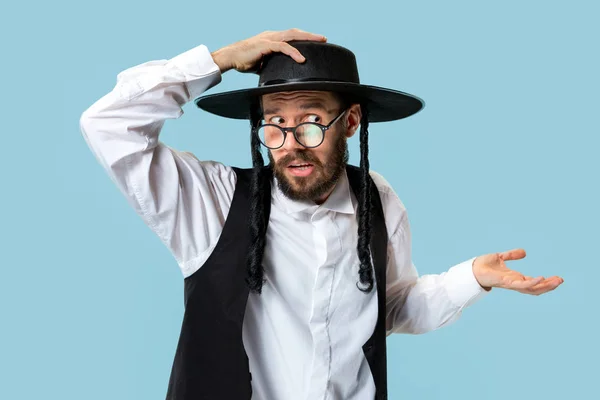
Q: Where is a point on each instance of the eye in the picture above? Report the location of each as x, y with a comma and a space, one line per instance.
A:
313, 118
276, 120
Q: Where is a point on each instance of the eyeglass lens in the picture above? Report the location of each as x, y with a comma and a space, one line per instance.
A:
307, 134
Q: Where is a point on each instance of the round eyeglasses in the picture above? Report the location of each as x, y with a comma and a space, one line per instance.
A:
308, 134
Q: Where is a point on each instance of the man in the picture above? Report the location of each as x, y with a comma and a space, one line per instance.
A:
294, 272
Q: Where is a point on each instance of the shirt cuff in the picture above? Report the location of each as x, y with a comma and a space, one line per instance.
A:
461, 285
200, 72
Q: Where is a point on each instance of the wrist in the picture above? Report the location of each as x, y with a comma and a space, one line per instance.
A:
220, 58
477, 275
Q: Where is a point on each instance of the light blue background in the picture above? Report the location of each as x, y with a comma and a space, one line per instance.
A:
504, 155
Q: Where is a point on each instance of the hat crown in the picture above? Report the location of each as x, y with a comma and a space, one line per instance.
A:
324, 62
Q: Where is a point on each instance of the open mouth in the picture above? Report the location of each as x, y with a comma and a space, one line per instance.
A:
300, 167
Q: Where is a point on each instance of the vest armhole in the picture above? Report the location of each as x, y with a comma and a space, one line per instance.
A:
238, 211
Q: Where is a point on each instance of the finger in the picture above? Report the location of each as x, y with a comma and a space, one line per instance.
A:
297, 34
515, 254
288, 50
545, 286
558, 278
523, 283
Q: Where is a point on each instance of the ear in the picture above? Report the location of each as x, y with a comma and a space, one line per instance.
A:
353, 117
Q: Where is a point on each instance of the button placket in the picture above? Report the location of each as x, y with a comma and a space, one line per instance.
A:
326, 241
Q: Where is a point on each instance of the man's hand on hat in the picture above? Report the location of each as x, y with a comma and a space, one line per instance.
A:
245, 55
490, 270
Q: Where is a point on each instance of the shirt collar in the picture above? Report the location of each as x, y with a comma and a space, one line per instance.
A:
340, 200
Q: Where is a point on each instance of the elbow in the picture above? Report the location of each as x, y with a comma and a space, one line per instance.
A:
411, 326
433, 323
93, 122
415, 329
91, 115
416, 323
420, 329
86, 128
90, 130
426, 328
86, 122
96, 115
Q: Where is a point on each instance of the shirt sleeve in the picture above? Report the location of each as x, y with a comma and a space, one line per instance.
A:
419, 304
183, 200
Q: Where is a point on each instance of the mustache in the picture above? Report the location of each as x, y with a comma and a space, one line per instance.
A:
298, 156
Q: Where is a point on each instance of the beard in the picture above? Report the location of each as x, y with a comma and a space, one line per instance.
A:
322, 179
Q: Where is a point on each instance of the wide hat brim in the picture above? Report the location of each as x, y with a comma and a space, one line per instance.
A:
382, 104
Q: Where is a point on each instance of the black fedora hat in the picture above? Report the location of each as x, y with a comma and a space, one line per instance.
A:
328, 67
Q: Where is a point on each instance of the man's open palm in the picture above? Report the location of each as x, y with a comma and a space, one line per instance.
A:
491, 271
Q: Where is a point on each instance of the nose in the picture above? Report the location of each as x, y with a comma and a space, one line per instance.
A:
290, 143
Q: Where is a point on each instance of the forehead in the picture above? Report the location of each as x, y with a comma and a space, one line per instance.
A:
299, 99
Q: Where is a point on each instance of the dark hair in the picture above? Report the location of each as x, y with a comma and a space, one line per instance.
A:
365, 270
258, 223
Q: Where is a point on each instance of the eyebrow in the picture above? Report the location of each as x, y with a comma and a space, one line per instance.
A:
304, 106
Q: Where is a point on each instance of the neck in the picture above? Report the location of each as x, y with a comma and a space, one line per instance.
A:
324, 198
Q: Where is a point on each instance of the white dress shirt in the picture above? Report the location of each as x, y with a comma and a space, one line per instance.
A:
304, 333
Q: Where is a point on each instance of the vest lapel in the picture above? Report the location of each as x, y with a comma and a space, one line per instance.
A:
375, 348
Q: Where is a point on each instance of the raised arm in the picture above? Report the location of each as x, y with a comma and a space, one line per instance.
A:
183, 200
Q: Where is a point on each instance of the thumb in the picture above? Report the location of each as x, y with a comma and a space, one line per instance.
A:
515, 254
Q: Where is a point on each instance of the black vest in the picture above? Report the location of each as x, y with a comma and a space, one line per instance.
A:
210, 360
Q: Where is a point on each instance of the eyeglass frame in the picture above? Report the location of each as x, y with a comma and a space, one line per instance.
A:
285, 130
